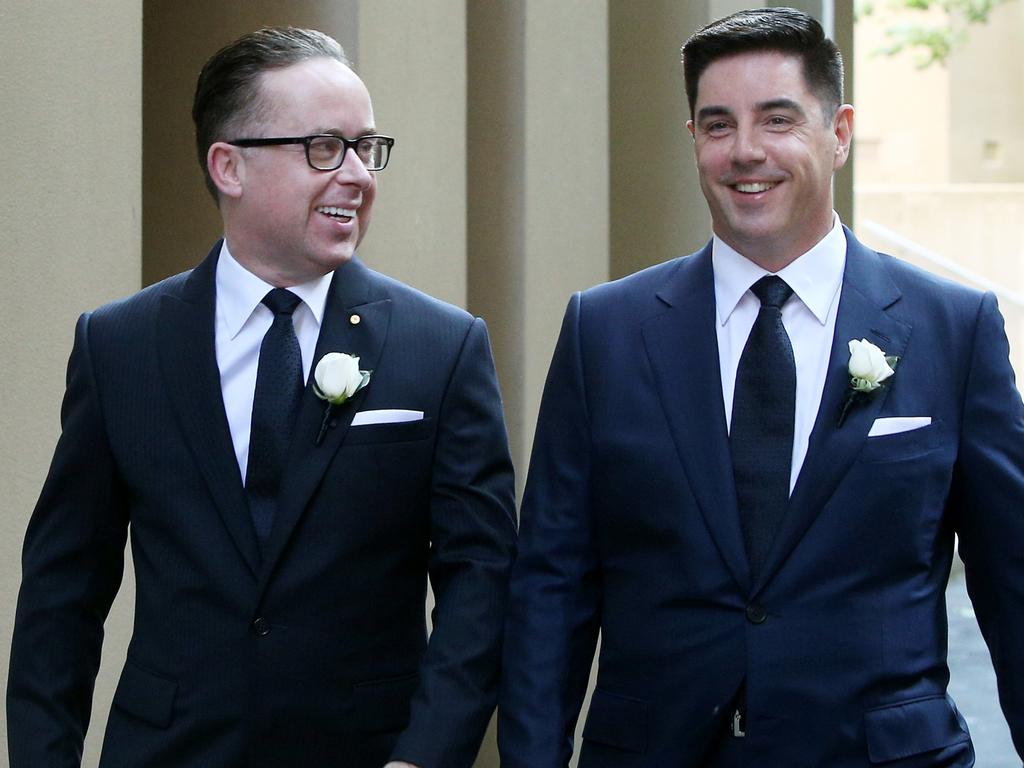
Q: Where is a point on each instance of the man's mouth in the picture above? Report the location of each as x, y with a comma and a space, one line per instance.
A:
341, 214
753, 187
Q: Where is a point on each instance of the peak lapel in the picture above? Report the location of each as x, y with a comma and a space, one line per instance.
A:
351, 294
868, 293
682, 347
188, 361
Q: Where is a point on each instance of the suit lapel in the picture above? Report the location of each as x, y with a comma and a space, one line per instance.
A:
682, 347
868, 293
188, 361
352, 294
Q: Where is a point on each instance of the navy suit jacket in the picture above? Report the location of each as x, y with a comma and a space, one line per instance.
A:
315, 653
630, 526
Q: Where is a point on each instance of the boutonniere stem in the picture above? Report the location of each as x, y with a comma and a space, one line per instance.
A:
336, 378
870, 370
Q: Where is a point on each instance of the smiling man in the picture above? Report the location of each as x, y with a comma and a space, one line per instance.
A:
757, 511
282, 545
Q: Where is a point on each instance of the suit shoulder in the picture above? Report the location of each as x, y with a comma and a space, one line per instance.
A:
143, 301
412, 301
911, 277
939, 295
133, 311
642, 283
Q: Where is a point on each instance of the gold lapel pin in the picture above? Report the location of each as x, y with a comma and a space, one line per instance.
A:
355, 319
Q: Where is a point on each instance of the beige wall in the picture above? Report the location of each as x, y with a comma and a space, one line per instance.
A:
974, 226
69, 238
986, 83
891, 95
957, 123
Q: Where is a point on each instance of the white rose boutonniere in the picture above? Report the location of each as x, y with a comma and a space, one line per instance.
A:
869, 369
335, 379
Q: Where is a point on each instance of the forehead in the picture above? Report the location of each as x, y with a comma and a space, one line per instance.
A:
316, 95
753, 77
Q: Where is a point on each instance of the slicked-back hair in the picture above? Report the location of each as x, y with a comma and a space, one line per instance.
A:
785, 30
228, 96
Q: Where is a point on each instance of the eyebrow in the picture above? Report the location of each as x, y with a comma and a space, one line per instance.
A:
715, 110
782, 103
333, 132
712, 111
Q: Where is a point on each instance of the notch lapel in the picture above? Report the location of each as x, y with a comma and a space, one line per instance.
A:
188, 362
682, 346
868, 294
352, 293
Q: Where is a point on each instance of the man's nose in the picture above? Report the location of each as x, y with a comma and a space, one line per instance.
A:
748, 146
353, 171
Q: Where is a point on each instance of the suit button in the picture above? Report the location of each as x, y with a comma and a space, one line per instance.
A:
261, 627
756, 614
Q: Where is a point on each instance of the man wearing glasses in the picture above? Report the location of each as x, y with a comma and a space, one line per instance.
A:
297, 442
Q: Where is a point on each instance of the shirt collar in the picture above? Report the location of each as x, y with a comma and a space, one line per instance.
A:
815, 276
239, 292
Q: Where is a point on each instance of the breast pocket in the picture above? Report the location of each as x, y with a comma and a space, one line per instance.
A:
390, 433
902, 446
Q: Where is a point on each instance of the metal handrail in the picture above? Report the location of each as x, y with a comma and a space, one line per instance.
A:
947, 264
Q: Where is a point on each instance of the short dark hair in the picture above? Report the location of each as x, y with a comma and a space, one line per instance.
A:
785, 30
228, 96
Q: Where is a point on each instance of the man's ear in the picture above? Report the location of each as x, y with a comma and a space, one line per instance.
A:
843, 126
226, 165
691, 128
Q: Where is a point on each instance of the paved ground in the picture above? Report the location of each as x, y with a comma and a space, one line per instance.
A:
973, 683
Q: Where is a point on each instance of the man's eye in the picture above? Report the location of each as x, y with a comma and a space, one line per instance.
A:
368, 149
778, 121
324, 149
716, 128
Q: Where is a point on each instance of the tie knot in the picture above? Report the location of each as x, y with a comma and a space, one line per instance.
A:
281, 301
772, 291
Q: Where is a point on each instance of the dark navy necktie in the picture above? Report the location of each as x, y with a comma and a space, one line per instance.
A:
761, 431
275, 405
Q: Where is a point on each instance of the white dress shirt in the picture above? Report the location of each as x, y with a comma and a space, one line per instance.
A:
241, 320
809, 318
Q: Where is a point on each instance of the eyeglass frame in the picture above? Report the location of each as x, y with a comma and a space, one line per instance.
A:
348, 144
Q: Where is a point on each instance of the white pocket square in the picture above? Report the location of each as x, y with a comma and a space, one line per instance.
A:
895, 425
386, 416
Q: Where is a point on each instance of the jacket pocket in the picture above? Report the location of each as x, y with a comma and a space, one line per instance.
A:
383, 705
902, 446
146, 695
390, 433
617, 721
911, 727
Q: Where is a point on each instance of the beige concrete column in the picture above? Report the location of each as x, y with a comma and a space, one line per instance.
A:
538, 187
69, 239
412, 57
657, 209
538, 182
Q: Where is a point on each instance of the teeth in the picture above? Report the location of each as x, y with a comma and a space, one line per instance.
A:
761, 186
331, 210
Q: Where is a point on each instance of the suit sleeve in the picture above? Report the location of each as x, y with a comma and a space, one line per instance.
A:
473, 542
988, 498
552, 622
72, 564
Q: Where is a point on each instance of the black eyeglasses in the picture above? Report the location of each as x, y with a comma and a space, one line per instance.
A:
326, 152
